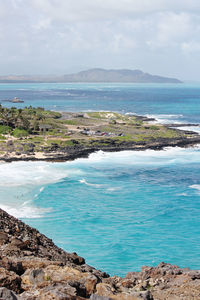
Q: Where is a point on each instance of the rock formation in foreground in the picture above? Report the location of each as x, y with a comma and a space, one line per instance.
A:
32, 267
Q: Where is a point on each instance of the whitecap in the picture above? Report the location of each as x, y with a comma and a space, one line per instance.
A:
96, 185
169, 155
130, 113
195, 186
113, 189
22, 182
166, 119
90, 184
25, 211
33, 173
190, 128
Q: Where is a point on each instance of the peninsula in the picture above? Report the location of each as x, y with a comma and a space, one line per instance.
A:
38, 134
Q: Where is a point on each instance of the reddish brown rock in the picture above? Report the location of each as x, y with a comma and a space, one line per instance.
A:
10, 280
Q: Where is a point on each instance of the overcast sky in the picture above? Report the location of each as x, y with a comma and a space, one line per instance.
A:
64, 36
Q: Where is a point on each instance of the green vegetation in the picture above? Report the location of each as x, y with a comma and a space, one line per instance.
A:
19, 133
31, 130
72, 122
5, 129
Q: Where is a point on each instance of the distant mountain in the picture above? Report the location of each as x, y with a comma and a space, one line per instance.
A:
124, 75
96, 75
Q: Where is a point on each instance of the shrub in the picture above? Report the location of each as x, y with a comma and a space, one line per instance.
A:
4, 129
20, 132
154, 127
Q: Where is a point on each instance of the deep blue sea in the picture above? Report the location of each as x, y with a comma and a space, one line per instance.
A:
118, 210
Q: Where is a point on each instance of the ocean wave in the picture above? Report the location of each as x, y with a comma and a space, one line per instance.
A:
182, 194
33, 173
22, 182
113, 189
191, 128
103, 186
166, 119
90, 184
25, 211
26, 180
130, 113
169, 155
195, 186
40, 191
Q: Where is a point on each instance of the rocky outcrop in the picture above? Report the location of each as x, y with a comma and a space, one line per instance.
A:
60, 154
32, 267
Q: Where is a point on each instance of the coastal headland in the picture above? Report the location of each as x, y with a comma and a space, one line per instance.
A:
38, 134
32, 267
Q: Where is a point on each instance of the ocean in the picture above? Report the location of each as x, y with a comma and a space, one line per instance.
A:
118, 210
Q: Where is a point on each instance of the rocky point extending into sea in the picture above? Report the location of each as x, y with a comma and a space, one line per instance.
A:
38, 134
33, 267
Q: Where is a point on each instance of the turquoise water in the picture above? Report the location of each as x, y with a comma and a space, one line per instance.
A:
118, 210
168, 102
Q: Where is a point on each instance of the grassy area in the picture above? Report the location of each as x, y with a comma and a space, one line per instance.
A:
37, 130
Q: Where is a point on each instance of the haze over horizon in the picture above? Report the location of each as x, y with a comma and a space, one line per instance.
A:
62, 37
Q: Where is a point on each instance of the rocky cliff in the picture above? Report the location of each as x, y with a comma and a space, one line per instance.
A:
33, 267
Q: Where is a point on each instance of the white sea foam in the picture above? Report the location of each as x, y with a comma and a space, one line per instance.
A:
130, 113
90, 184
25, 211
31, 173
170, 155
182, 194
96, 185
195, 186
22, 182
190, 128
166, 119
113, 189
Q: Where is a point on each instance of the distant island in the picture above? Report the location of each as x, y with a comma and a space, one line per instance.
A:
94, 75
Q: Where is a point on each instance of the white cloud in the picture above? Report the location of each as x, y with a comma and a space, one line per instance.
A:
190, 47
79, 10
59, 35
172, 29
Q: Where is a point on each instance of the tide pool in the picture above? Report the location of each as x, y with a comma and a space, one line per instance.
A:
118, 210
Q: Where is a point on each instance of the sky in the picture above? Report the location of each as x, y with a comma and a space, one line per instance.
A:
64, 36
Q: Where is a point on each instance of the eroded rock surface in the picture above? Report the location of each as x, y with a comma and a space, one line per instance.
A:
32, 267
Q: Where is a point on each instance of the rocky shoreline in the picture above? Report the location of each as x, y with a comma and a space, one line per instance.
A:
58, 154
36, 134
32, 267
